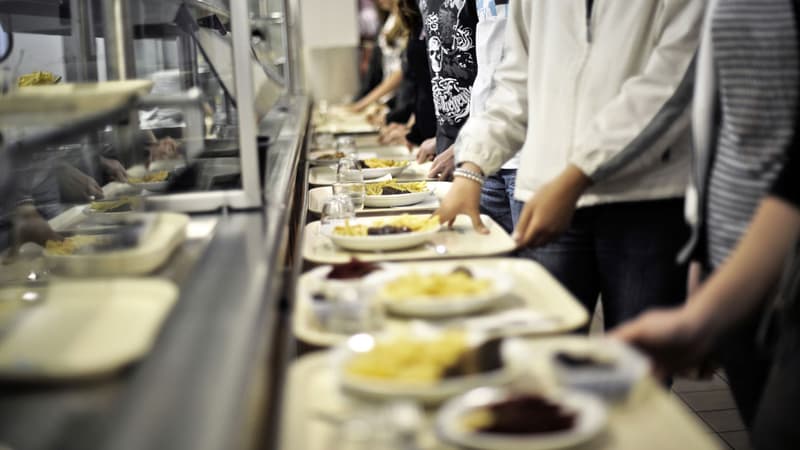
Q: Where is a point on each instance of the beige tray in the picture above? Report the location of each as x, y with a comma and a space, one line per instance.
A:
313, 406
326, 175
534, 290
318, 195
65, 101
168, 232
460, 242
82, 329
381, 151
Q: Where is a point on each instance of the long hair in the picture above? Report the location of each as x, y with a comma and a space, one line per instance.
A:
409, 14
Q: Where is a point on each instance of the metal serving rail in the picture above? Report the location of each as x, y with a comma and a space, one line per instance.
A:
206, 383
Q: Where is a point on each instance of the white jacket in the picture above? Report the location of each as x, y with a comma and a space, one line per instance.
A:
610, 94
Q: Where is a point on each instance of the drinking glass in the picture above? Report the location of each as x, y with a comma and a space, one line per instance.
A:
336, 210
347, 145
350, 181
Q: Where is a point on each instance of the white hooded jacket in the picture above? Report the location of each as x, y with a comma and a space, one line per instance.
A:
608, 90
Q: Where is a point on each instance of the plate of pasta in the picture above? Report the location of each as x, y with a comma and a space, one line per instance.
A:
379, 234
428, 366
377, 167
155, 181
444, 292
387, 194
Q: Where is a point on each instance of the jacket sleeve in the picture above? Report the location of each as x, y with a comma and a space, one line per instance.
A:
493, 136
652, 108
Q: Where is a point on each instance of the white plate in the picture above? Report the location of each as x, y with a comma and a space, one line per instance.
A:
430, 307
591, 419
382, 171
326, 176
378, 243
389, 201
425, 393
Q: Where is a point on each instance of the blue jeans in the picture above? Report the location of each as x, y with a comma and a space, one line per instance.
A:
624, 252
497, 199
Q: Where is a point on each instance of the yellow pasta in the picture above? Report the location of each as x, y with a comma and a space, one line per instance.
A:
41, 78
375, 163
152, 177
436, 285
414, 223
411, 360
71, 244
377, 188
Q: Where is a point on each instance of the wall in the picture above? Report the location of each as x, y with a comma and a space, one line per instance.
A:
330, 48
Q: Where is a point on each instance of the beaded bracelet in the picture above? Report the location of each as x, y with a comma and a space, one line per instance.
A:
470, 175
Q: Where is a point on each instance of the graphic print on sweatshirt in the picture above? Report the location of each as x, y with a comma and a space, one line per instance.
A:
450, 26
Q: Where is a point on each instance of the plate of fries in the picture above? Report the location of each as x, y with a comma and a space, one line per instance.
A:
380, 234
449, 291
387, 194
377, 167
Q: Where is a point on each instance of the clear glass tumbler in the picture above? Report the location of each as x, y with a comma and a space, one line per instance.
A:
350, 181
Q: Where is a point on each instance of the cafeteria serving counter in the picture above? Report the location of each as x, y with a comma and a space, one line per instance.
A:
206, 383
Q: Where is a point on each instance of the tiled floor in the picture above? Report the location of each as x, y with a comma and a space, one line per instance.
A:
709, 400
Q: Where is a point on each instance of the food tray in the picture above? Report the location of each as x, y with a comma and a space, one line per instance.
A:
318, 195
83, 329
326, 175
534, 290
314, 409
460, 242
167, 233
383, 151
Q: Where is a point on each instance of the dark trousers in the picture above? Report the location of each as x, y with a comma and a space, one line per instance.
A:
625, 252
776, 422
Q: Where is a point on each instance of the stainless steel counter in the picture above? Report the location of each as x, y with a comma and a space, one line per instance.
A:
206, 383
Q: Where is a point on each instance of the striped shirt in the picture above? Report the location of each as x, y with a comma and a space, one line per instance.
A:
756, 59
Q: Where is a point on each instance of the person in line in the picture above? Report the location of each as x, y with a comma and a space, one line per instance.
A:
391, 43
415, 101
745, 120
604, 148
449, 26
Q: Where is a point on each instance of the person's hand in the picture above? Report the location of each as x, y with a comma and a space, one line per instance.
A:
443, 165
114, 169
164, 149
29, 226
377, 117
677, 339
427, 151
394, 133
358, 106
464, 197
76, 186
550, 211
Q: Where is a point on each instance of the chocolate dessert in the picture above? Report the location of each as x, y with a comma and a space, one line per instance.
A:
527, 414
577, 361
352, 270
483, 358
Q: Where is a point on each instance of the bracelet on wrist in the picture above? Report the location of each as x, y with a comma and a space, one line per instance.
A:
470, 175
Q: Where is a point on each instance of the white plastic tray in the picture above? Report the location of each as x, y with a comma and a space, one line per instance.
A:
318, 195
460, 242
83, 329
326, 175
314, 409
168, 232
534, 290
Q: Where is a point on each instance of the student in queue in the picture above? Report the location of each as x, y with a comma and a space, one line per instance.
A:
449, 27
391, 44
596, 100
745, 218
